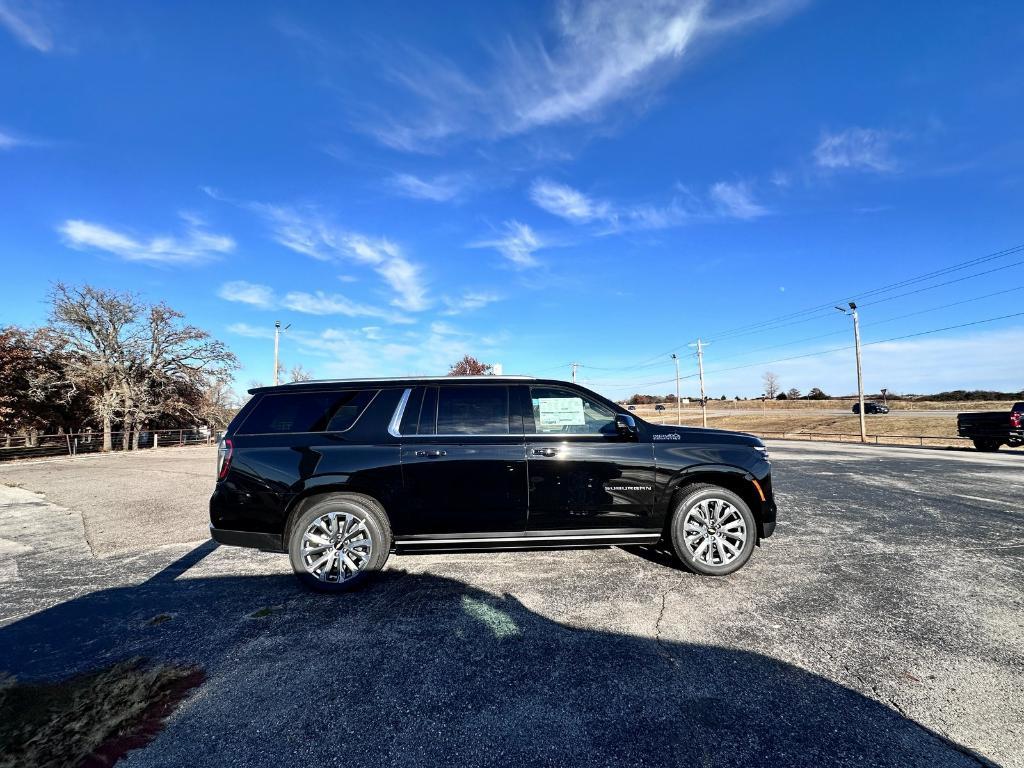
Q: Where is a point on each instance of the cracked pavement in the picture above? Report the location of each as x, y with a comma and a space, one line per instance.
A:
882, 625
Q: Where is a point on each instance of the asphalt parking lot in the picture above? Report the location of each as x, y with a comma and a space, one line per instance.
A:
882, 625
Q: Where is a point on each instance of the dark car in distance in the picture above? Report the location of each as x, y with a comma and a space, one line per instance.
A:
870, 407
340, 474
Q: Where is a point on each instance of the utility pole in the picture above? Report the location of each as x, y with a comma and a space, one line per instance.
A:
700, 368
278, 330
679, 404
574, 372
860, 376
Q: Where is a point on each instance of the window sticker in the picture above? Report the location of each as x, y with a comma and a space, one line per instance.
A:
561, 411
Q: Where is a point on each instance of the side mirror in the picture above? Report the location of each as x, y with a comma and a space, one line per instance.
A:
625, 425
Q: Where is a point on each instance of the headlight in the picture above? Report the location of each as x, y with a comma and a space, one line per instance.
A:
762, 450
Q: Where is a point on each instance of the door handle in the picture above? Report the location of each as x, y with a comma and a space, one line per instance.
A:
431, 454
545, 452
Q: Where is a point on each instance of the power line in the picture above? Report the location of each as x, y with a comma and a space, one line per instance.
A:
861, 295
821, 352
823, 313
873, 323
821, 310
870, 343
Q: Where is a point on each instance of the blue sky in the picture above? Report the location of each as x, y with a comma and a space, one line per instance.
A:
532, 183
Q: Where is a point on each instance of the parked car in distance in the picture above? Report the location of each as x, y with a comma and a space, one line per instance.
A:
659, 407
631, 408
991, 429
871, 407
340, 474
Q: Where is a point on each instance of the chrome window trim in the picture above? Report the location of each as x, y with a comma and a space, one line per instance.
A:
564, 435
396, 419
576, 537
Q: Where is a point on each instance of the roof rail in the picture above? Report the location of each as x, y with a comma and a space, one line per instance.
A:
484, 377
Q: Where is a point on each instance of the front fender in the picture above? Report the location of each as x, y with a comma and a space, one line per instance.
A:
755, 491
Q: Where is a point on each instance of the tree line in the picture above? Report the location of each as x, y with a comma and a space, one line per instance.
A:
107, 360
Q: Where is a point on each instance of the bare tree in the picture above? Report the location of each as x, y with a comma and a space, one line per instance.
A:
173, 358
217, 404
300, 374
97, 329
137, 362
793, 393
470, 366
771, 384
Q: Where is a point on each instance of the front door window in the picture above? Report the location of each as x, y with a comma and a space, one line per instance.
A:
563, 412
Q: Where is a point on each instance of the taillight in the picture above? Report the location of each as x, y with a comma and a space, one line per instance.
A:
1015, 417
224, 451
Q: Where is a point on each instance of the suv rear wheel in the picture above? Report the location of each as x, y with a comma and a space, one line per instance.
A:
338, 541
712, 531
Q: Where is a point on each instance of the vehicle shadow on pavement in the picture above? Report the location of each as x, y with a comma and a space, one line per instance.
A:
416, 669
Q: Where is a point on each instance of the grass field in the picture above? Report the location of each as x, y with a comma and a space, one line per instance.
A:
847, 403
936, 429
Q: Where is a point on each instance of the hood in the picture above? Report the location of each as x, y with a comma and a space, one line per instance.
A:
665, 433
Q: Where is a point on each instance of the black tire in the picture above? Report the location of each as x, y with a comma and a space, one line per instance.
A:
368, 514
690, 498
986, 444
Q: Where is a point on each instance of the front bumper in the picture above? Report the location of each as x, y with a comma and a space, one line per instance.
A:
267, 542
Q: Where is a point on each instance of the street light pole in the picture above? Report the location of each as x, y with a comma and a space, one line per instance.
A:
700, 368
278, 330
679, 405
860, 376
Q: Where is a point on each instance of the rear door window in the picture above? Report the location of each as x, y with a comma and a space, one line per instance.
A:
306, 412
428, 412
470, 410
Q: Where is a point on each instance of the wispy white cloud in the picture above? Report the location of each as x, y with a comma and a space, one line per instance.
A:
9, 140
320, 303
251, 331
372, 352
735, 200
518, 243
27, 21
469, 301
724, 199
568, 203
446, 329
859, 149
310, 233
244, 292
195, 246
316, 303
438, 189
580, 208
598, 53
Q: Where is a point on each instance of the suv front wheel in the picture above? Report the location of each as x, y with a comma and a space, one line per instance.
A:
338, 541
712, 531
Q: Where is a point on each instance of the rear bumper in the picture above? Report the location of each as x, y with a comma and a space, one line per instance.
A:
268, 542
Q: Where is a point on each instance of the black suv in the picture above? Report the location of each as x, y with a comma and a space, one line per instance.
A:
871, 407
340, 474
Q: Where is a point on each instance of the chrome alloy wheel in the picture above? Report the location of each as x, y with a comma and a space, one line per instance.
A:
714, 532
336, 546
